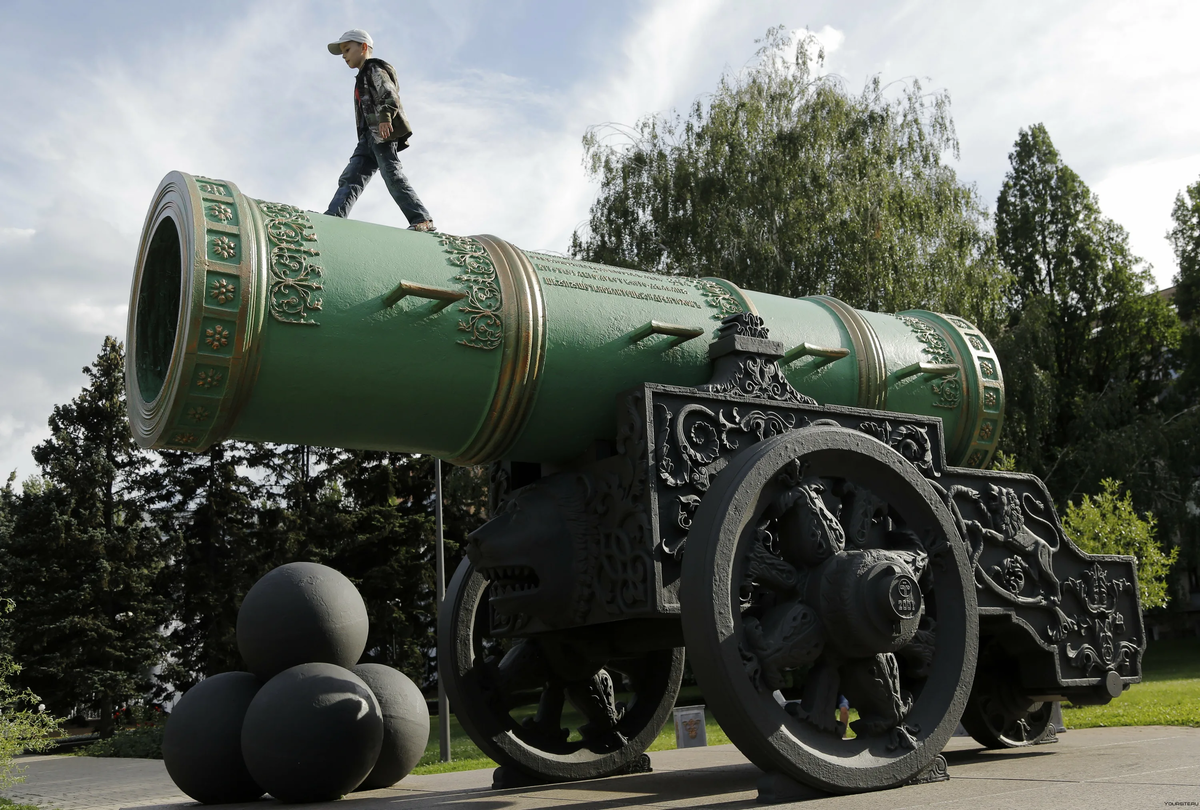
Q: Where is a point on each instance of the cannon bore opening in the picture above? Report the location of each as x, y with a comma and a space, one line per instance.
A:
158, 304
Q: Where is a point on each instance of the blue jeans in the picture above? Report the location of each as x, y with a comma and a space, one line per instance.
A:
369, 157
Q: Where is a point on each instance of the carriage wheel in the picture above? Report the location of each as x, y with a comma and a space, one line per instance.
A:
510, 696
821, 563
998, 713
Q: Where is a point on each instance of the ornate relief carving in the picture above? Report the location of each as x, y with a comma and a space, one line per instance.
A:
948, 391
224, 247
208, 378
935, 345
219, 212
1023, 563
626, 566
910, 441
211, 188
1101, 623
198, 413
719, 298
757, 377
217, 337
223, 291
483, 323
806, 593
745, 362
590, 530
294, 278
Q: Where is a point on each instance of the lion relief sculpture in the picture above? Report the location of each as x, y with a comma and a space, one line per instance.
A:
538, 552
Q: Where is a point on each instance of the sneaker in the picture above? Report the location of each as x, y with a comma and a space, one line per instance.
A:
425, 227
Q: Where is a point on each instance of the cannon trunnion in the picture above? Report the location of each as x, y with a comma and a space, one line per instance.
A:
792, 491
798, 552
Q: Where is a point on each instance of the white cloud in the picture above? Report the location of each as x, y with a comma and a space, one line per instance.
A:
1140, 197
254, 98
11, 235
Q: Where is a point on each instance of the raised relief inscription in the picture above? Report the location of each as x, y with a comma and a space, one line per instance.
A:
558, 272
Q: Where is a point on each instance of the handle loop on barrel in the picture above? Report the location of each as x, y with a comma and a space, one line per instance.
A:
407, 288
684, 333
809, 350
934, 369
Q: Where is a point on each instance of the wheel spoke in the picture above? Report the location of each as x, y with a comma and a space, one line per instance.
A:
835, 559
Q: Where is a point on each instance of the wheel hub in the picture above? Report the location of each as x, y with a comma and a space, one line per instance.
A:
870, 602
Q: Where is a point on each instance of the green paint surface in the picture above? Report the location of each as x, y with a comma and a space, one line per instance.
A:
270, 356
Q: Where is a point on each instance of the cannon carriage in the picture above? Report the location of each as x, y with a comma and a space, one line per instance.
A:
791, 494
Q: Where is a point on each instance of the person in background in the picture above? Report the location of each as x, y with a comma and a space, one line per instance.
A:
843, 716
383, 131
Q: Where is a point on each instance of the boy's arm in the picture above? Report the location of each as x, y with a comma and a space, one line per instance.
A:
386, 97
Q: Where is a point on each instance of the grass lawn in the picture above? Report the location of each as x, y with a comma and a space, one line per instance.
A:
1169, 694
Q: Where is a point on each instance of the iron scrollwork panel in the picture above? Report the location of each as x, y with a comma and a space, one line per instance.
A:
695, 436
1083, 607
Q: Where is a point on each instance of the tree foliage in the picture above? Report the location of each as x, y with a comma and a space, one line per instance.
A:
124, 561
783, 182
24, 726
1108, 524
81, 562
207, 508
1087, 346
1183, 452
1185, 240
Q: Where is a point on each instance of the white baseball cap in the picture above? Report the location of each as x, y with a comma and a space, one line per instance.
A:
353, 35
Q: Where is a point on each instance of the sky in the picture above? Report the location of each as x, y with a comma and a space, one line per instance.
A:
99, 100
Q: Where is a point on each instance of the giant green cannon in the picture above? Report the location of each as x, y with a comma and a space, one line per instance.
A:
793, 491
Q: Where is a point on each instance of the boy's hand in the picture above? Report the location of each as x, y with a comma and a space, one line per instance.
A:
385, 130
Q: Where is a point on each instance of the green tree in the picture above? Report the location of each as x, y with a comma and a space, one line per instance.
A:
1184, 454
783, 182
1086, 350
81, 562
1108, 524
207, 505
23, 724
377, 528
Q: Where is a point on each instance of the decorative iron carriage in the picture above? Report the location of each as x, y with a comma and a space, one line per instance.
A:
677, 464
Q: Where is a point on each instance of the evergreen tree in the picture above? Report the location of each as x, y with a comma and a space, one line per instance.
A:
783, 182
1087, 347
376, 526
1185, 239
1183, 452
81, 563
207, 506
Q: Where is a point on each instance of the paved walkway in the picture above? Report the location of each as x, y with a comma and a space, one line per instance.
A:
1097, 769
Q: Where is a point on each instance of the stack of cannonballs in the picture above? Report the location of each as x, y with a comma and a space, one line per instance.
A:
305, 724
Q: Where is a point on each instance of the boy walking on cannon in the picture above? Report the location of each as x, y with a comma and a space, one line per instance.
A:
383, 131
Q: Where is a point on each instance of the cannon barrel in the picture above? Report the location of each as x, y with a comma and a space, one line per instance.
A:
260, 321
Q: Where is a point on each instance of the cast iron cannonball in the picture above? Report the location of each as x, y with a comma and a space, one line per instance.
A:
202, 743
301, 613
312, 733
405, 724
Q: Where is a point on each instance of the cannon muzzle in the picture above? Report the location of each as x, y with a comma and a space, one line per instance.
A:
259, 321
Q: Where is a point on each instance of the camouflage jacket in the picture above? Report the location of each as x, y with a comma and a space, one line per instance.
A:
377, 100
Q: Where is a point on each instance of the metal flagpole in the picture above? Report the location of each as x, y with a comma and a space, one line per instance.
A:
443, 701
